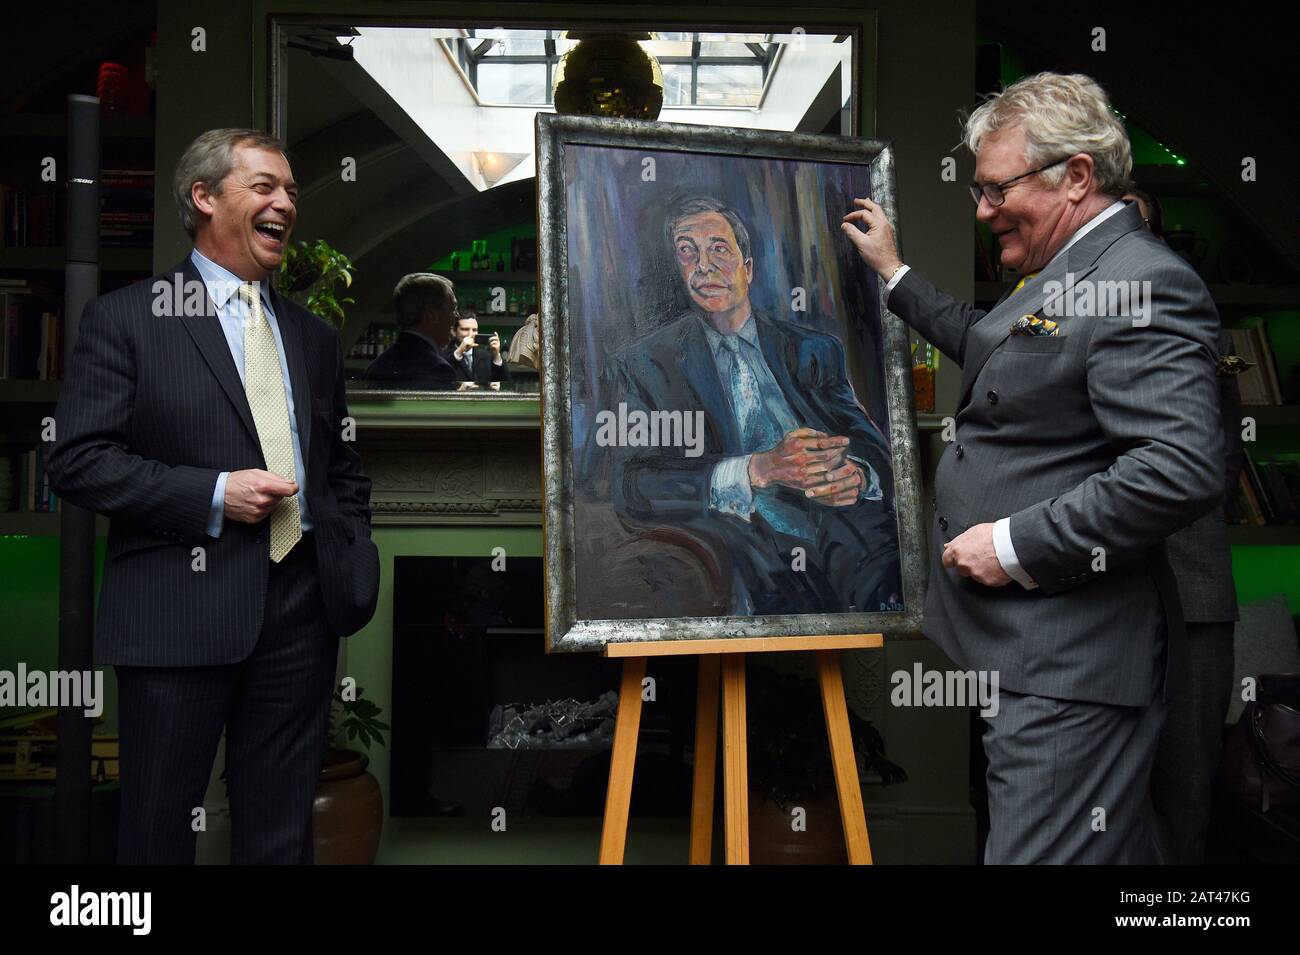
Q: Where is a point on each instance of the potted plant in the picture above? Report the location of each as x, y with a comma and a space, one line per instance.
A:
348, 813
790, 766
311, 273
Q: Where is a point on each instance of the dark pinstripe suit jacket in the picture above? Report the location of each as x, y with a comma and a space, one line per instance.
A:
1107, 435
151, 410
1201, 554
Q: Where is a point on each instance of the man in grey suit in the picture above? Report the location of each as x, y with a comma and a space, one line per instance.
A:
1087, 431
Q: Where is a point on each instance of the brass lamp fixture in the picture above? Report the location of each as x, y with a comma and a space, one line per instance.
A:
609, 74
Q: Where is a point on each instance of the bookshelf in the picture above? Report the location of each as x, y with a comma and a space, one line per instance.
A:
28, 391
32, 254
41, 258
488, 277
1268, 535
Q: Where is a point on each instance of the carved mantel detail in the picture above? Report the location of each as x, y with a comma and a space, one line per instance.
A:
495, 482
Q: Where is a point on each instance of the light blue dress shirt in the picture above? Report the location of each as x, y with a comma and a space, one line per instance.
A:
729, 488
222, 285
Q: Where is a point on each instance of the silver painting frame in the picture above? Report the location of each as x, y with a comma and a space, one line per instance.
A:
564, 631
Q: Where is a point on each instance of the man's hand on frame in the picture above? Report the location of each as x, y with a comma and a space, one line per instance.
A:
876, 245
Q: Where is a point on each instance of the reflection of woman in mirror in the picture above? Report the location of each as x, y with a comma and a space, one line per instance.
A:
524, 346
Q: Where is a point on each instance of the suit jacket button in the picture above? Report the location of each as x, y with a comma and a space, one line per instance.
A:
993, 397
943, 523
960, 450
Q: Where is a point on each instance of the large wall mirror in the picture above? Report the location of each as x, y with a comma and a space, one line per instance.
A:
413, 145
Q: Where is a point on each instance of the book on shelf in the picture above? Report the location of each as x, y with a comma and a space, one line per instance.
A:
126, 215
31, 215
1260, 384
1268, 492
32, 492
31, 338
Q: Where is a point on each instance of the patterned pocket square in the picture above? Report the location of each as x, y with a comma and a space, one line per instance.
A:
1033, 325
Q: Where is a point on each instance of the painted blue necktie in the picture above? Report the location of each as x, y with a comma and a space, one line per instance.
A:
760, 431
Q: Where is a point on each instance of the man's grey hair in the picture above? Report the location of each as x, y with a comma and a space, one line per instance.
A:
1061, 115
420, 292
209, 160
685, 208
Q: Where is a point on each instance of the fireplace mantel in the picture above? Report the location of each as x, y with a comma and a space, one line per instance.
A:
460, 460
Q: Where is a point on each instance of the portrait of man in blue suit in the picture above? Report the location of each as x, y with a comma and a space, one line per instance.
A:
790, 480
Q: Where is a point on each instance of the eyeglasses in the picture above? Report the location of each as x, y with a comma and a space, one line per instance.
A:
992, 191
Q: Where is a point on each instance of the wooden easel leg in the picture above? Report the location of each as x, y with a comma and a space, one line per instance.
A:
618, 798
735, 784
852, 813
706, 760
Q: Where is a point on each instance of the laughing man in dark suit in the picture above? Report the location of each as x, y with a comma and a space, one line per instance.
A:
239, 543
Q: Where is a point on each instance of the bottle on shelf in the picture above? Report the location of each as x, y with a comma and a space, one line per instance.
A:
501, 262
455, 261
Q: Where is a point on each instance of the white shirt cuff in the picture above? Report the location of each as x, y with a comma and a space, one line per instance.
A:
729, 490
895, 279
217, 511
1007, 554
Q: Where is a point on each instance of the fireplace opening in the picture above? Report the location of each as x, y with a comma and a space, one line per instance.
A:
482, 716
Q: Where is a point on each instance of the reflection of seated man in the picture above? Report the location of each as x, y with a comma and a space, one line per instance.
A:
426, 308
789, 459
470, 364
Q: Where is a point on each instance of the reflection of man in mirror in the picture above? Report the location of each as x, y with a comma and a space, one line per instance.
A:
466, 353
426, 309
794, 482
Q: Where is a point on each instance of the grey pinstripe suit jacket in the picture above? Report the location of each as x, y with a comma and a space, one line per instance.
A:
1107, 435
151, 410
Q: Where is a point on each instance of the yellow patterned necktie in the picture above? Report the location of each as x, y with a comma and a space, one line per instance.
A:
1021, 283
264, 386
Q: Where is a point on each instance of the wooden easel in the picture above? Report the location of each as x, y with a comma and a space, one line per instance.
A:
726, 658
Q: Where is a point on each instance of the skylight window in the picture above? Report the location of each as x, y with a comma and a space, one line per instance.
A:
517, 67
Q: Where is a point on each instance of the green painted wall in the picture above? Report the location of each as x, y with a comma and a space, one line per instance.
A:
29, 569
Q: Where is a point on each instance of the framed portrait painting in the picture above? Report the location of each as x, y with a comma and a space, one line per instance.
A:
729, 441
